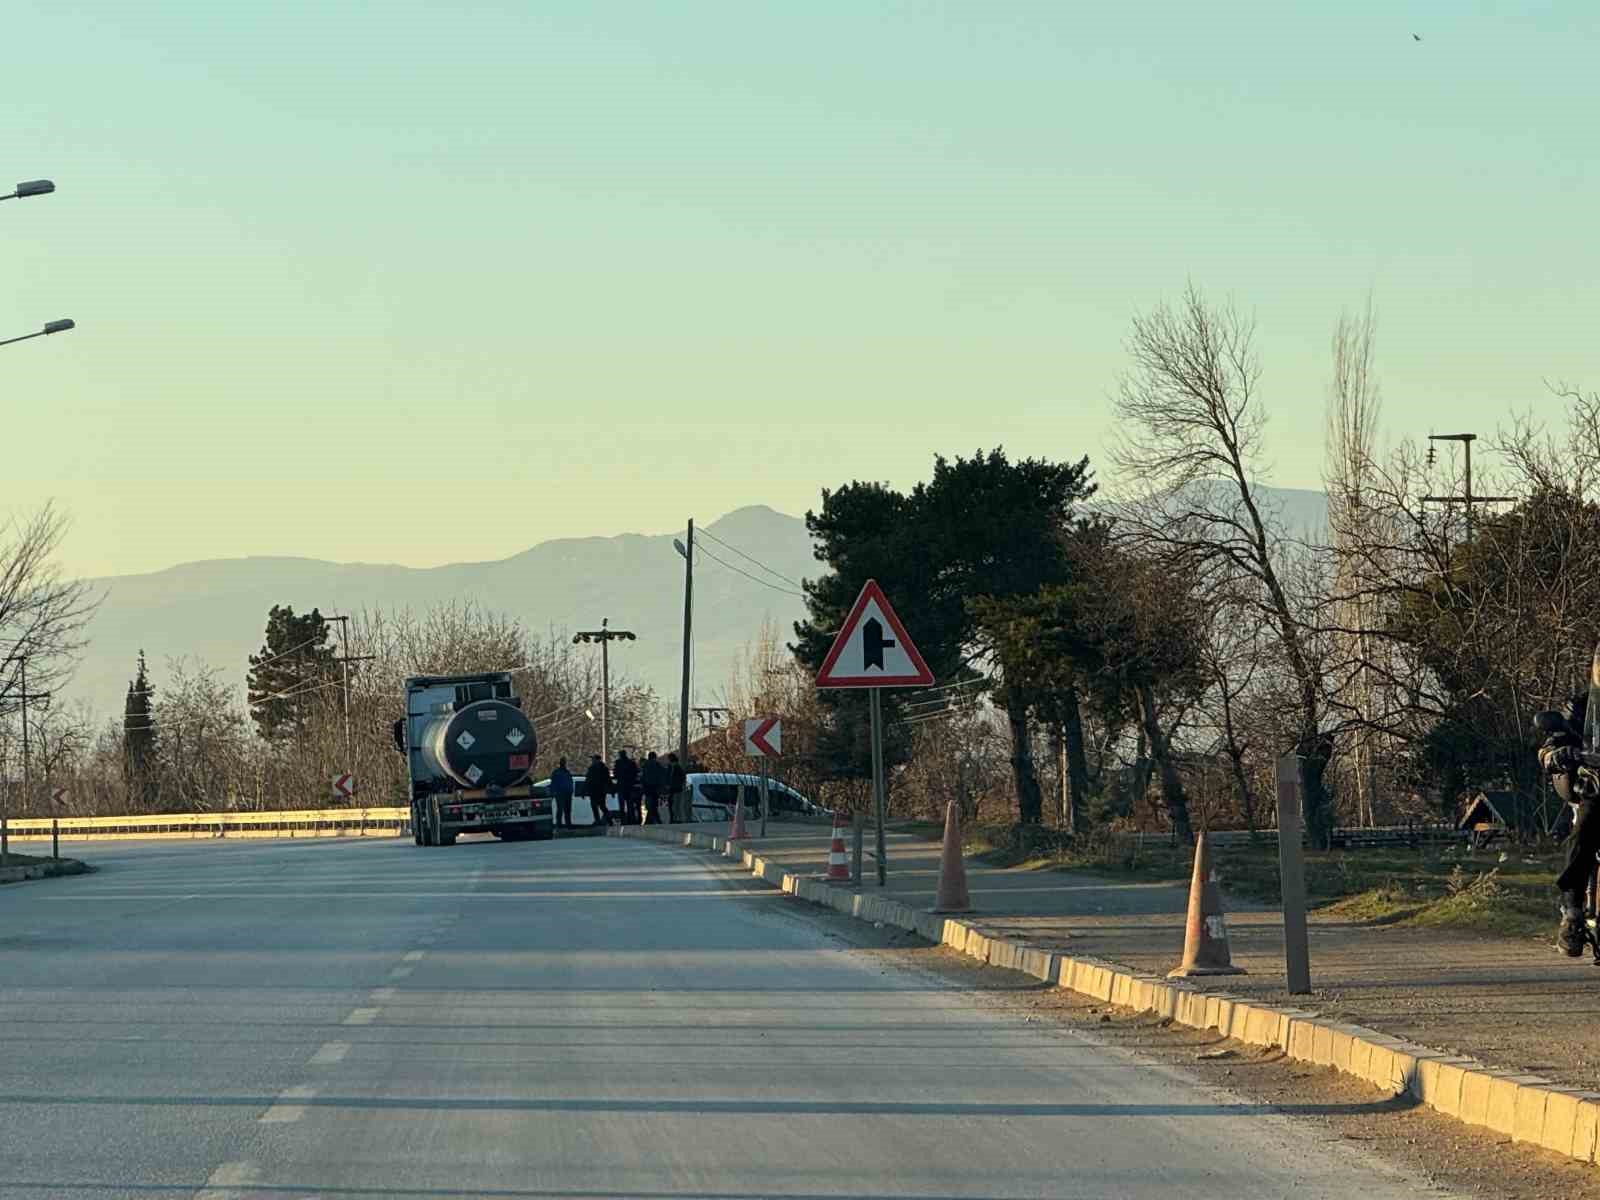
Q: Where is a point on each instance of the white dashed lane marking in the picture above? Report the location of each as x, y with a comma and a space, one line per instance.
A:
361, 1016
413, 956
400, 972
329, 1054
381, 995
290, 1106
227, 1182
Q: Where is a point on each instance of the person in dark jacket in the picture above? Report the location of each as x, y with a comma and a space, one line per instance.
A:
561, 790
652, 780
677, 783
597, 782
625, 774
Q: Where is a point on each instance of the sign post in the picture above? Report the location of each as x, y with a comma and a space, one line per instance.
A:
873, 651
58, 797
1292, 877
763, 739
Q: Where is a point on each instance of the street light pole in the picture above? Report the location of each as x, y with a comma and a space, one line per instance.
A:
50, 327
32, 187
27, 781
605, 635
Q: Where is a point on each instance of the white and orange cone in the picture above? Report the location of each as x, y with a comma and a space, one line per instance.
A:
1205, 936
838, 865
953, 896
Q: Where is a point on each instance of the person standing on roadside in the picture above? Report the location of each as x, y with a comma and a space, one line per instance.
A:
677, 787
597, 782
625, 774
561, 789
652, 779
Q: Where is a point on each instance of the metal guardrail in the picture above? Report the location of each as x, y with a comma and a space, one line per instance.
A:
324, 822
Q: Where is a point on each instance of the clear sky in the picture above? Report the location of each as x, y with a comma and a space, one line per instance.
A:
419, 282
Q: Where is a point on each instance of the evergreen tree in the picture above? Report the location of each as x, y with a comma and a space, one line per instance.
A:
290, 672
139, 740
982, 526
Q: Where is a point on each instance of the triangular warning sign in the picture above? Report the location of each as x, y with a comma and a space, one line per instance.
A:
873, 648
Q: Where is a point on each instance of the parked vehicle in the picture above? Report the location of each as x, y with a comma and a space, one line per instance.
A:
712, 795
469, 750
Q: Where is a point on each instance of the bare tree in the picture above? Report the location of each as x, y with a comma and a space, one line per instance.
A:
42, 612
1192, 425
1353, 411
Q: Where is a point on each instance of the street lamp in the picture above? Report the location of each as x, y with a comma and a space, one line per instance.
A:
33, 187
50, 327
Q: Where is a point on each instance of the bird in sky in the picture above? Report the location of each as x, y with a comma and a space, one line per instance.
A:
1416, 37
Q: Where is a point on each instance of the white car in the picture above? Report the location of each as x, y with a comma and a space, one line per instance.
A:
712, 795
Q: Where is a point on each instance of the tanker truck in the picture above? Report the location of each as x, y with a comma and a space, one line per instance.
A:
470, 750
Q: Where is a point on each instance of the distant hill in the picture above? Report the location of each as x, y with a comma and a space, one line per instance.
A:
216, 610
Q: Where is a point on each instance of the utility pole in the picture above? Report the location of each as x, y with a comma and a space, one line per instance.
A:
685, 548
27, 781
344, 660
605, 635
1467, 498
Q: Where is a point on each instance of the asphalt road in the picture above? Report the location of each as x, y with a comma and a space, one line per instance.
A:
586, 1018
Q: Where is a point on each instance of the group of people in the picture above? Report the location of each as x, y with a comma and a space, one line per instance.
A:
639, 787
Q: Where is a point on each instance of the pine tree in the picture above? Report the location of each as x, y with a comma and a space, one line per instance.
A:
139, 740
289, 673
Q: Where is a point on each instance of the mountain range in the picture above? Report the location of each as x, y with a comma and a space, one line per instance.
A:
216, 610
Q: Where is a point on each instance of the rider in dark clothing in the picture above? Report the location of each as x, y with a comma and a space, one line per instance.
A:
1560, 756
597, 782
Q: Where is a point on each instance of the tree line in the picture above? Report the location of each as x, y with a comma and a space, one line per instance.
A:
1134, 657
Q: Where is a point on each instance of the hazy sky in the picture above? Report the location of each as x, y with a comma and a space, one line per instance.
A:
420, 282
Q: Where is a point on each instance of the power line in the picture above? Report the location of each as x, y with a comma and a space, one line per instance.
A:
752, 578
751, 558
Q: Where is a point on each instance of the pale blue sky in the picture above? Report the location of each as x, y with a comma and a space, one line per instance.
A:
333, 263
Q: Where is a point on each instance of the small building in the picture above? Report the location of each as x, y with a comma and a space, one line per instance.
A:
1489, 815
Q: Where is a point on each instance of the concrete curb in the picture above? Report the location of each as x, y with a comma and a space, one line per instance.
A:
1526, 1108
67, 866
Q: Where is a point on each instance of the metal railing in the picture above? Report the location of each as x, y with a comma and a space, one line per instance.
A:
325, 822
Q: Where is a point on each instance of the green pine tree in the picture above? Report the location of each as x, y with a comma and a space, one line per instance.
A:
139, 741
289, 674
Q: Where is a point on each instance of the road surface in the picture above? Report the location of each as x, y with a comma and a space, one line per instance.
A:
586, 1018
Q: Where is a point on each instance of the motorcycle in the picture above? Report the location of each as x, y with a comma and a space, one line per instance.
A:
1579, 780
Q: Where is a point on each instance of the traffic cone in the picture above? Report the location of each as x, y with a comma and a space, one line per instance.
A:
838, 865
1205, 937
953, 897
736, 826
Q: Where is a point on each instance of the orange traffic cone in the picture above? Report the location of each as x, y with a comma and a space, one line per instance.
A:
953, 897
838, 866
736, 826
1205, 939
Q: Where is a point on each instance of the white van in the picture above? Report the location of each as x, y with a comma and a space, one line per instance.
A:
712, 795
